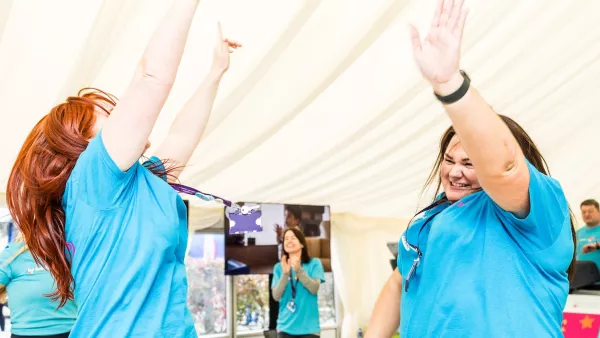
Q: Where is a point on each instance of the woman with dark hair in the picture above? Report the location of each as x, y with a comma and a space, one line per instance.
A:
111, 230
296, 282
32, 314
492, 255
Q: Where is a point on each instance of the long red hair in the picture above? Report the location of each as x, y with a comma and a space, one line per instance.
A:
38, 178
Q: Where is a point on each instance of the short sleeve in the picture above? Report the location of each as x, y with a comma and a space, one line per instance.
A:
398, 258
548, 211
5, 270
317, 271
96, 178
276, 274
155, 163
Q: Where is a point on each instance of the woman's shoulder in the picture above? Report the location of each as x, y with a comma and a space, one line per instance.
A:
9, 250
315, 261
12, 247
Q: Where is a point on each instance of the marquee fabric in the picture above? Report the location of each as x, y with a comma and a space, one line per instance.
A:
323, 104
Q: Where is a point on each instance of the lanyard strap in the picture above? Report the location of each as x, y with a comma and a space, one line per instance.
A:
294, 287
207, 197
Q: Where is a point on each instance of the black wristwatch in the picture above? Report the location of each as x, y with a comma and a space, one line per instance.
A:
597, 245
459, 93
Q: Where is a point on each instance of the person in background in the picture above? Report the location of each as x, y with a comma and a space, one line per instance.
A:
25, 283
296, 282
80, 178
2, 318
492, 255
588, 236
293, 218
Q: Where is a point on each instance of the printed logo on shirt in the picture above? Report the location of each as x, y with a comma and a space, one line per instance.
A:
30, 271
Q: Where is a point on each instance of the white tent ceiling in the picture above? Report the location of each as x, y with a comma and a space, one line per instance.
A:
323, 104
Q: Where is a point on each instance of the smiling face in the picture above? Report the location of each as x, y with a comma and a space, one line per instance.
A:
291, 243
457, 172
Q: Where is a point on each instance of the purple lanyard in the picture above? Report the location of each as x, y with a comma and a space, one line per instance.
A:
204, 196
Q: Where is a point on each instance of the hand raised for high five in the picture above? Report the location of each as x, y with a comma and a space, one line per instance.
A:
223, 48
438, 56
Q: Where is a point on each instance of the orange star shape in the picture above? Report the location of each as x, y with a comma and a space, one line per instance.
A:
564, 322
586, 323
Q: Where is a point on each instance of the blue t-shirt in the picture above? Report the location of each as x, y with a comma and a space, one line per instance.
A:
129, 232
32, 313
305, 320
485, 272
586, 235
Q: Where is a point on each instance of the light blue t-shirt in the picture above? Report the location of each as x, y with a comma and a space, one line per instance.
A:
129, 232
487, 273
585, 236
32, 313
305, 320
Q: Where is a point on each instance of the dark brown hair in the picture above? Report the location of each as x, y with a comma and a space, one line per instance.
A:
39, 176
295, 211
530, 151
298, 233
591, 202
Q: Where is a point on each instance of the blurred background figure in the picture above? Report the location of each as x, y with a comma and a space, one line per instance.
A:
25, 283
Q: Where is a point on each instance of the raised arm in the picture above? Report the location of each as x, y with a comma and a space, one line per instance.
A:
126, 131
187, 129
497, 158
385, 318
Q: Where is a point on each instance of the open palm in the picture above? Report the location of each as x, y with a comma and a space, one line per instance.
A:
438, 56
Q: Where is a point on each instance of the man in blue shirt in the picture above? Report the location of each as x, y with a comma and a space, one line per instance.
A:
588, 237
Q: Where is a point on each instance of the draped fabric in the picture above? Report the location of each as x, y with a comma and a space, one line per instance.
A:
323, 103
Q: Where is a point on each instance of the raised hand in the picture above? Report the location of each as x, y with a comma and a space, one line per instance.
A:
438, 56
285, 265
278, 233
223, 47
589, 248
295, 263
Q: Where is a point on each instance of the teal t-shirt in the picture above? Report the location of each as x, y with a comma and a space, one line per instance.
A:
586, 235
305, 320
129, 233
485, 272
32, 313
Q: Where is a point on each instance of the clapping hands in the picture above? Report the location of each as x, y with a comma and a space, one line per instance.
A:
287, 263
295, 263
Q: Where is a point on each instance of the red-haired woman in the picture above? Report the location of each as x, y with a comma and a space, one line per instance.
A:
78, 180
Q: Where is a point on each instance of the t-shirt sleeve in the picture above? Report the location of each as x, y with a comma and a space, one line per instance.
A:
5, 270
276, 275
155, 163
96, 178
548, 212
317, 271
398, 258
